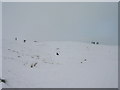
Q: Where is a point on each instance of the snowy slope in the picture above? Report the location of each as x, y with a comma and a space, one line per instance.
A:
63, 64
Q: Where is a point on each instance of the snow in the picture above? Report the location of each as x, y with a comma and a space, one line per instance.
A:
0, 42
59, 64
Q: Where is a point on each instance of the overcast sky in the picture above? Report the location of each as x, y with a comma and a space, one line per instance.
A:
61, 21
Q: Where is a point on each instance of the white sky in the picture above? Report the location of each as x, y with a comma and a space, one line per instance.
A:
61, 21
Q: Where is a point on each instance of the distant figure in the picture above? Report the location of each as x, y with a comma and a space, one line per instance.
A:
97, 42
16, 38
31, 66
57, 53
35, 41
18, 56
24, 41
35, 64
2, 80
57, 48
93, 42
85, 60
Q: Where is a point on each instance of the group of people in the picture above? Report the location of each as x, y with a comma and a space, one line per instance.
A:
17, 39
94, 42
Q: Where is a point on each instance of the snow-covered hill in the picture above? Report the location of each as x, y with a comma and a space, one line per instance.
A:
59, 64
